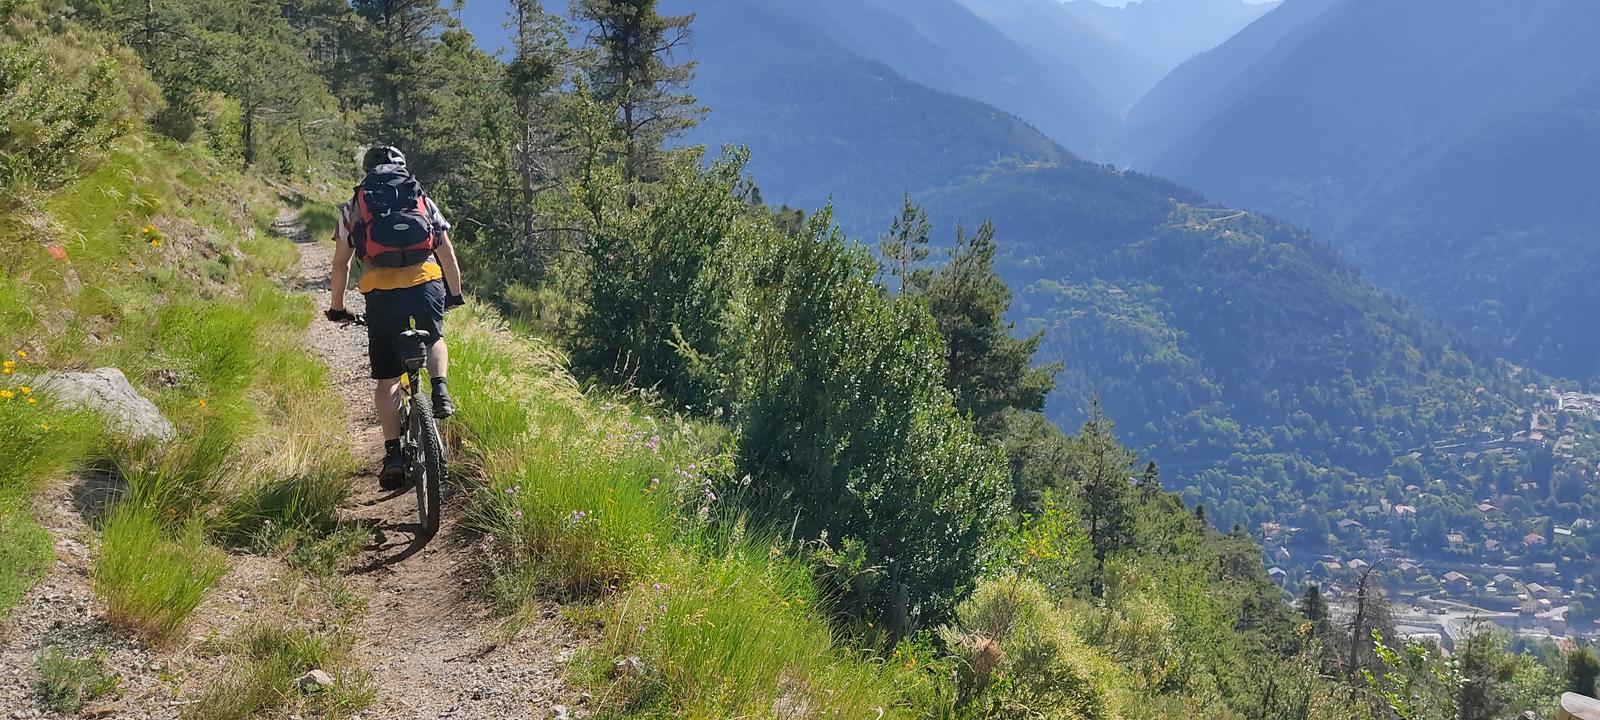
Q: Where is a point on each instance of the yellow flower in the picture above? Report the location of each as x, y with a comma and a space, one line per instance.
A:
46, 426
22, 354
201, 402
148, 229
7, 394
26, 390
33, 401
155, 242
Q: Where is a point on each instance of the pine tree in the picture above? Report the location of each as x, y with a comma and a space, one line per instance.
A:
907, 242
390, 59
1102, 469
636, 76
1150, 482
1315, 609
989, 369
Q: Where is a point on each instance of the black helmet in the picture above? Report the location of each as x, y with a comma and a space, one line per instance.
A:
382, 155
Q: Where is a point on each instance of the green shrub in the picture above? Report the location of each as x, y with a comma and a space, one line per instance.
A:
66, 683
39, 443
1024, 659
63, 98
663, 288
149, 582
848, 429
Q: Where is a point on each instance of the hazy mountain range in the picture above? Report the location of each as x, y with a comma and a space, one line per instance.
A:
1455, 161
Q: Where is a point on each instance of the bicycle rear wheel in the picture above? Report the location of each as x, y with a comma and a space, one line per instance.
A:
429, 460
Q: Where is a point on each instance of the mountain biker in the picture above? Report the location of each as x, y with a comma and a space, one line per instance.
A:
409, 275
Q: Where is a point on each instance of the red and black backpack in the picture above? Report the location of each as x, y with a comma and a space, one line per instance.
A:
392, 226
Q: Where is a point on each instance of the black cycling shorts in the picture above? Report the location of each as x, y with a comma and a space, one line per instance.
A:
391, 312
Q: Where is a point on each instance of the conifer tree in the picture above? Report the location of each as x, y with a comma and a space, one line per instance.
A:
907, 242
635, 74
390, 59
1102, 469
989, 369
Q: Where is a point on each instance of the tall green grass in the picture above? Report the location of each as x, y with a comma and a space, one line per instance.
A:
151, 582
589, 499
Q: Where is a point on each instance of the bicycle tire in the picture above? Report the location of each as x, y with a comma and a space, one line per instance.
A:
431, 449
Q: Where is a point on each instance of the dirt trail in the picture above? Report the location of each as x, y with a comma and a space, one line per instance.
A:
433, 645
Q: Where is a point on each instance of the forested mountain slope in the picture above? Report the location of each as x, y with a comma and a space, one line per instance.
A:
1446, 146
1186, 98
1248, 357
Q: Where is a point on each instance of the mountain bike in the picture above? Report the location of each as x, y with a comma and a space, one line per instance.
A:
420, 441
419, 431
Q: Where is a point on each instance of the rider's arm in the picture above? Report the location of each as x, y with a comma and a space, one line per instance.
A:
339, 276
446, 251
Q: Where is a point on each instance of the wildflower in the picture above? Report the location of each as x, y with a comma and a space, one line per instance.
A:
22, 354
155, 242
148, 230
662, 607
33, 401
25, 390
7, 394
786, 603
201, 402
518, 514
711, 496
641, 629
657, 587
45, 426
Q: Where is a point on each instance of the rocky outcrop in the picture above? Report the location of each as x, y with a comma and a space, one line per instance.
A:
107, 391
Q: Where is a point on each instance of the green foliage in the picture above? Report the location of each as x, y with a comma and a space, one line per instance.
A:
40, 443
66, 683
64, 96
151, 581
1583, 668
663, 285
906, 245
849, 431
988, 369
274, 657
1100, 470
1417, 686
1023, 659
637, 78
590, 499
26, 551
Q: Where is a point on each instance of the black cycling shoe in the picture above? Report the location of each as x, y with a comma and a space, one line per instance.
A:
393, 474
442, 405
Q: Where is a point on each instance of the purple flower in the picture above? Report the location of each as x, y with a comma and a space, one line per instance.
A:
518, 514
641, 629
663, 607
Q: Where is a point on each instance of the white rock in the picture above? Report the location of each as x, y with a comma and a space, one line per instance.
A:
314, 680
108, 392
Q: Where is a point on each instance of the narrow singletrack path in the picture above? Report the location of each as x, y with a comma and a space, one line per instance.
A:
431, 640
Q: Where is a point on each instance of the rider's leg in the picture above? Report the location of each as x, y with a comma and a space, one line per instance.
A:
386, 403
438, 359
